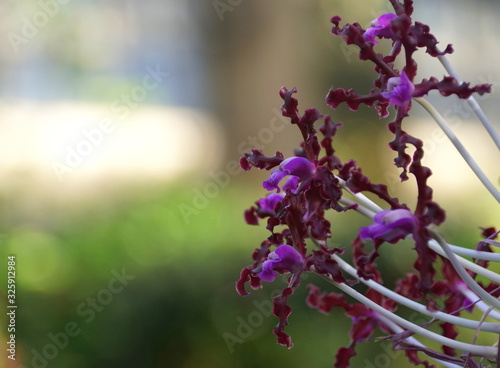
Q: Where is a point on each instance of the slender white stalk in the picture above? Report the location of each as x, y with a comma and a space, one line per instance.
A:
434, 245
479, 304
396, 329
460, 147
493, 276
483, 294
467, 323
477, 254
360, 208
361, 197
472, 102
484, 351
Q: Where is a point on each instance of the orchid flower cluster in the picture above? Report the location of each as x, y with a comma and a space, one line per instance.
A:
303, 188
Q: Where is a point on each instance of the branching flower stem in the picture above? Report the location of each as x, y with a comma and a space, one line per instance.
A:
472, 102
460, 147
396, 329
494, 302
477, 254
479, 303
493, 276
485, 351
360, 197
467, 323
434, 245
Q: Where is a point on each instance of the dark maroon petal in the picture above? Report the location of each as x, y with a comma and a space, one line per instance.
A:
294, 218
449, 331
362, 329
337, 96
247, 275
329, 129
409, 288
424, 39
259, 160
290, 110
344, 354
282, 311
425, 261
325, 265
251, 217
325, 302
365, 263
290, 105
358, 182
449, 86
490, 231
244, 164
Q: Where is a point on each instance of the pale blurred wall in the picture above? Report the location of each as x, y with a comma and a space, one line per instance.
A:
228, 59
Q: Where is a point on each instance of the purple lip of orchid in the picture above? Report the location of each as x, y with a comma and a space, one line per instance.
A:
269, 203
399, 90
285, 257
296, 166
380, 27
390, 226
467, 303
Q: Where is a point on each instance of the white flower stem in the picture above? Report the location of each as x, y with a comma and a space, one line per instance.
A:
475, 287
479, 304
467, 323
434, 245
360, 197
477, 254
472, 102
484, 351
360, 208
493, 276
460, 147
396, 329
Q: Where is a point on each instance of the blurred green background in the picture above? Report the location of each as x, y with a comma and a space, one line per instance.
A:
121, 123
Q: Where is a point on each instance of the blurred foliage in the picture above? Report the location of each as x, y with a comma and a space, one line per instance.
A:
180, 309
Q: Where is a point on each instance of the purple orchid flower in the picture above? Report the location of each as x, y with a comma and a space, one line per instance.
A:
285, 257
399, 90
296, 166
390, 226
380, 27
292, 182
269, 203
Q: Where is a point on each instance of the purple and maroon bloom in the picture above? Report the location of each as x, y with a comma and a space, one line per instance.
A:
295, 166
269, 203
399, 90
285, 257
390, 226
380, 27
314, 183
